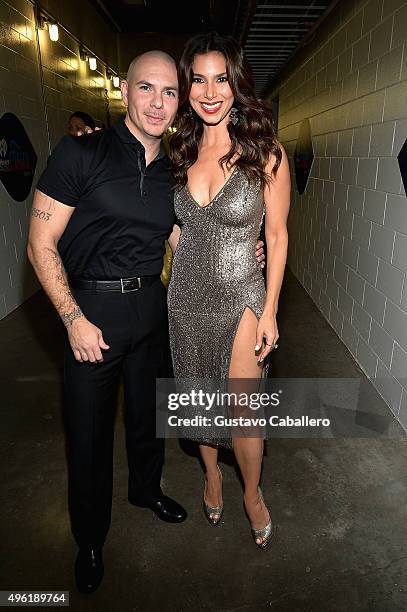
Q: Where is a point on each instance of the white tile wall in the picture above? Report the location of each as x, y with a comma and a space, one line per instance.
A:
68, 86
352, 87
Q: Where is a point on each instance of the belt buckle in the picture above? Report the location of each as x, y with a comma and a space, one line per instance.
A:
123, 280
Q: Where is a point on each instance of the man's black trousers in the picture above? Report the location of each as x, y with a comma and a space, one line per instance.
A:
135, 326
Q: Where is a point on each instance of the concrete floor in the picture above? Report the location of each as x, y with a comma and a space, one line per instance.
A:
339, 505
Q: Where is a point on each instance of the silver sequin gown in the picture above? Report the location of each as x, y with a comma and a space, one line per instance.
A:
215, 276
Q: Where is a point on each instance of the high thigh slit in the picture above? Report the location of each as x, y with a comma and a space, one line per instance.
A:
215, 277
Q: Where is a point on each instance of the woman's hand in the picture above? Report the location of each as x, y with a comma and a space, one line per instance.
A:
260, 256
174, 237
267, 333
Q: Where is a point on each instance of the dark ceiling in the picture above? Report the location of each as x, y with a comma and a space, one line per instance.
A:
178, 17
269, 30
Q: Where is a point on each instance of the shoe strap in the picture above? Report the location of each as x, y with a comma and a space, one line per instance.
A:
213, 509
264, 532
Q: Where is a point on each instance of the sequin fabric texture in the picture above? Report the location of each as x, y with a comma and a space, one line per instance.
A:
215, 276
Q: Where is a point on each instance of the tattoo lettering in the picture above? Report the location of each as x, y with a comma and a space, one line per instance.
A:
41, 214
68, 317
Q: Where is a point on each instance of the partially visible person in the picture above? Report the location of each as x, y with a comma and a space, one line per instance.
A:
80, 123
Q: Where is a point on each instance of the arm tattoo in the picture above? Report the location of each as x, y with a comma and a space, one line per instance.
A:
68, 317
41, 214
55, 282
50, 269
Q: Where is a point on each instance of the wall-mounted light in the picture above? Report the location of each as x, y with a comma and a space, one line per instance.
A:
93, 63
44, 23
113, 77
83, 55
53, 31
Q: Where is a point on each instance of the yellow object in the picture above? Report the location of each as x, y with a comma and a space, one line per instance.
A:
166, 271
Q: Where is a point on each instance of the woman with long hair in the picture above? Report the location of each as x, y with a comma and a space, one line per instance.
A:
230, 172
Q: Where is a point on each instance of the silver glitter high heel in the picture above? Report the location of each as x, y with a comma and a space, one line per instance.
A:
266, 533
210, 510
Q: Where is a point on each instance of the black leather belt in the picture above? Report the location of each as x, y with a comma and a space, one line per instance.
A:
122, 284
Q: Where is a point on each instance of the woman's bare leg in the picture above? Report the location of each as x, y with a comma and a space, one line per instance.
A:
213, 495
248, 450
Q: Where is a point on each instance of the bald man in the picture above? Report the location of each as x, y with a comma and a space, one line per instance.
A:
101, 213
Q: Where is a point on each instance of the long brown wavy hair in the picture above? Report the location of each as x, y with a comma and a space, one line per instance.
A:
252, 138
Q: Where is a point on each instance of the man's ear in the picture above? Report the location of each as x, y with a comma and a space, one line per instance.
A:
124, 86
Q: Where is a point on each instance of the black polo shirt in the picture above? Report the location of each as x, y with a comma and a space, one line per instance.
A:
123, 210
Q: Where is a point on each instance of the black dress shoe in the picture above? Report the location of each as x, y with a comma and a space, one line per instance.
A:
165, 508
89, 569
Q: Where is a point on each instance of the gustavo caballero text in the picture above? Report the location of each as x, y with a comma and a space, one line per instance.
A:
222, 421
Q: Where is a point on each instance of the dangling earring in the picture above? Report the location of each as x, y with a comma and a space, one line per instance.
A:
234, 115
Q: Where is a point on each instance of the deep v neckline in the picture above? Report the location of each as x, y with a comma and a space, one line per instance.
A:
218, 193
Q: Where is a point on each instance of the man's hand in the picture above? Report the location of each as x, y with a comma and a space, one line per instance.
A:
86, 340
260, 256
